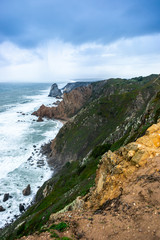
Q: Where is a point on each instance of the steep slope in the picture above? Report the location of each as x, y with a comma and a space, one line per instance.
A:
71, 104
116, 168
117, 112
125, 201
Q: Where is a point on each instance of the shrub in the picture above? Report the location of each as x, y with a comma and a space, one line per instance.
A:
99, 150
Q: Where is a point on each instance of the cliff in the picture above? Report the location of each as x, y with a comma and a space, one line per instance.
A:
117, 112
124, 203
116, 168
104, 158
71, 104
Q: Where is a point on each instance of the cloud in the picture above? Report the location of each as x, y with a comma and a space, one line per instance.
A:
28, 23
56, 60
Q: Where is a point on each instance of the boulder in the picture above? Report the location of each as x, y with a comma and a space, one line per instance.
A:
21, 207
55, 91
2, 209
27, 190
6, 197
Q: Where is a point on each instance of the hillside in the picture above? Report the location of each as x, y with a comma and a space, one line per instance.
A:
117, 112
125, 201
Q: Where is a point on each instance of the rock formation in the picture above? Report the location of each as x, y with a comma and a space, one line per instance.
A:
115, 168
6, 197
71, 104
2, 209
27, 190
55, 91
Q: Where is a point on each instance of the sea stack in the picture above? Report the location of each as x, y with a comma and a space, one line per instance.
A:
55, 91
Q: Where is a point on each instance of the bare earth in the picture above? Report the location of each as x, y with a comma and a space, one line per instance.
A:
135, 214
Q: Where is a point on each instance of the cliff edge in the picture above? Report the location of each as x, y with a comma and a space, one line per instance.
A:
72, 102
125, 201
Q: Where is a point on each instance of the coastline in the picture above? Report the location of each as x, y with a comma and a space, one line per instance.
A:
22, 162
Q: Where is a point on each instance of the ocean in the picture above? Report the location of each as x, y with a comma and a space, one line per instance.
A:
21, 137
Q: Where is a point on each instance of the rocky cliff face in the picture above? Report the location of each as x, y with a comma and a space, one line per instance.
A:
117, 112
71, 104
116, 168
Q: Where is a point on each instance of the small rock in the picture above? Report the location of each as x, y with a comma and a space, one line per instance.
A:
2, 209
27, 190
21, 207
6, 197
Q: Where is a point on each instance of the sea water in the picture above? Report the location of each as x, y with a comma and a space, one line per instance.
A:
21, 137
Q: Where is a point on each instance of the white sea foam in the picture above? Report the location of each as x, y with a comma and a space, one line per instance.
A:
18, 133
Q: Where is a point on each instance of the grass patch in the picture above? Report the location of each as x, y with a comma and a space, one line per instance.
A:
100, 150
59, 227
54, 235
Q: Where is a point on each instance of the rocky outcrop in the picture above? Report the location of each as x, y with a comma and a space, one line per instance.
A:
21, 208
71, 104
70, 86
2, 209
27, 190
55, 91
115, 168
6, 197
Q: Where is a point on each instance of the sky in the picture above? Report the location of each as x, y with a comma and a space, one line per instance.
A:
63, 40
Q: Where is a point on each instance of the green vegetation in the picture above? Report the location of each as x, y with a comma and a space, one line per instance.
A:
114, 103
72, 181
54, 235
99, 150
60, 227
118, 112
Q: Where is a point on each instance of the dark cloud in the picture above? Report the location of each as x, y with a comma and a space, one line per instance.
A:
29, 22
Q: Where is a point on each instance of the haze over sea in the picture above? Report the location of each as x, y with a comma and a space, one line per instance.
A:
20, 139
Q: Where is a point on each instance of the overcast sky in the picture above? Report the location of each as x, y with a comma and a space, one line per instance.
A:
57, 40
